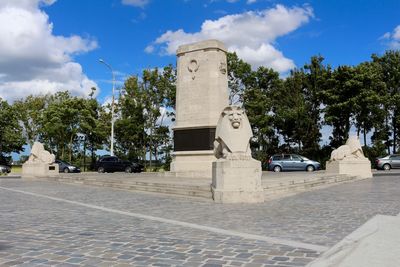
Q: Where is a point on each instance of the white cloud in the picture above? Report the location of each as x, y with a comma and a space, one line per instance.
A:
251, 34
32, 59
251, 1
392, 38
396, 33
149, 49
266, 54
137, 3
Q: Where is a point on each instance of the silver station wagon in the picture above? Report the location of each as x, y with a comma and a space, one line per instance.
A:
388, 162
292, 162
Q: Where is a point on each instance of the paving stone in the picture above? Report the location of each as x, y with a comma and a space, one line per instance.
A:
48, 232
211, 265
244, 255
280, 258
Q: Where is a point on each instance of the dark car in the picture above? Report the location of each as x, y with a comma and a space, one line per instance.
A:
292, 162
5, 166
66, 167
114, 164
388, 162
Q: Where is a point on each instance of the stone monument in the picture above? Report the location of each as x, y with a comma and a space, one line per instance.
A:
201, 94
349, 159
236, 176
40, 163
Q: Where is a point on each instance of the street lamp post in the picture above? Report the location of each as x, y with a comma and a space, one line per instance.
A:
112, 105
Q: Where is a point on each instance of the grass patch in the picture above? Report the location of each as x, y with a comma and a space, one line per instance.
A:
16, 169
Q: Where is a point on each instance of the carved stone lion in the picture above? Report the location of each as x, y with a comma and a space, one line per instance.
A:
39, 155
233, 133
351, 150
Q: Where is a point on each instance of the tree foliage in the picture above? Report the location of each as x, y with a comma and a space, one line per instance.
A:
287, 114
11, 139
144, 107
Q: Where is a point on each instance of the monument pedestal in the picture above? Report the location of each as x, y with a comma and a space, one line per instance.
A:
193, 163
39, 169
237, 181
356, 167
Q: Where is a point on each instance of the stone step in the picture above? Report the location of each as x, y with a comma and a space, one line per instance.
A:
165, 188
195, 188
292, 187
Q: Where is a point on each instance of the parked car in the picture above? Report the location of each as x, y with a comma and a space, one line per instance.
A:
5, 169
292, 162
66, 167
388, 162
5, 166
114, 164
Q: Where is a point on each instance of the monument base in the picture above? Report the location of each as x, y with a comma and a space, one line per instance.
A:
237, 181
37, 170
361, 168
195, 163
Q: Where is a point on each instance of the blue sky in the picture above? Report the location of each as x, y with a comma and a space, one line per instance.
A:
52, 45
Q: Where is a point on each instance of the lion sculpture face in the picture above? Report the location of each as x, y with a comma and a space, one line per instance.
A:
235, 117
233, 134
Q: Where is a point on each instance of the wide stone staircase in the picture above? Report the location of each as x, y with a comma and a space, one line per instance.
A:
180, 186
288, 185
275, 184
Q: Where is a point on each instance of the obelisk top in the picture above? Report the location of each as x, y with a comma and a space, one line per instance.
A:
207, 44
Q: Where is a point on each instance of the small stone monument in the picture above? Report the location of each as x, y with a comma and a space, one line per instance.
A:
236, 176
201, 94
349, 159
40, 163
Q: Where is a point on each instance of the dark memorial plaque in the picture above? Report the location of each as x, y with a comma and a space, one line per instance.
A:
194, 139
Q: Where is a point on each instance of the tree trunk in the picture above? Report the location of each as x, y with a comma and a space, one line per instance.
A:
84, 154
150, 153
144, 156
394, 132
70, 149
387, 139
365, 138
93, 156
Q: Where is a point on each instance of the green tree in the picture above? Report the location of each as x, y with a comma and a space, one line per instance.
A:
291, 113
61, 124
239, 76
144, 105
389, 66
130, 127
369, 102
316, 80
29, 114
258, 103
340, 103
11, 139
158, 88
94, 127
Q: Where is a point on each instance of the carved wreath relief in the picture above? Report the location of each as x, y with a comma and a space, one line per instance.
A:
222, 68
193, 67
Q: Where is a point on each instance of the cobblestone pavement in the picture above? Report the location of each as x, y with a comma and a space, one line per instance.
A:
47, 223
